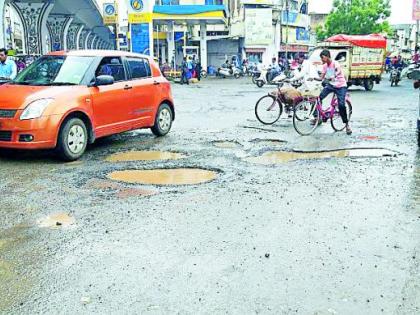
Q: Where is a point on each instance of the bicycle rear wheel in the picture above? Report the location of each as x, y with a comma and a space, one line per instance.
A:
305, 118
268, 110
336, 121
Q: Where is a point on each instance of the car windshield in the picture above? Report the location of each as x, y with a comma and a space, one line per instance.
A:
55, 70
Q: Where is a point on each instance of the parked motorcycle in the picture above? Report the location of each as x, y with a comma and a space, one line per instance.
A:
395, 76
229, 71
266, 77
410, 70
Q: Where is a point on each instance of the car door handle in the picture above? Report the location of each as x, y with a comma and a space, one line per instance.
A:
127, 87
156, 83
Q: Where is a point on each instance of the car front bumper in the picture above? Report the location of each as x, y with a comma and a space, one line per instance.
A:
40, 133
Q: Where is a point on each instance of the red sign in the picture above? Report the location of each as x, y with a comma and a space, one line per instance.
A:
294, 48
416, 9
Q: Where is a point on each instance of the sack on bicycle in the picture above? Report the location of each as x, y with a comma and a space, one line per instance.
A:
289, 95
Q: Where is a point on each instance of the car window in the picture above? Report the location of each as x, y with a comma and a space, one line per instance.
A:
50, 70
139, 68
112, 66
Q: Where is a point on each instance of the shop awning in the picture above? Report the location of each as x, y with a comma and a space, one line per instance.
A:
211, 14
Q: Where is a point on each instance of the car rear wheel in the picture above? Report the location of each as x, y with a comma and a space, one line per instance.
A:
72, 139
163, 121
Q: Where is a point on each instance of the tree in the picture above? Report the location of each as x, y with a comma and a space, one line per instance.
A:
356, 17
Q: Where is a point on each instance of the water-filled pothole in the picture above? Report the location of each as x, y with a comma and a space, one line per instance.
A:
56, 221
227, 144
276, 157
143, 156
179, 176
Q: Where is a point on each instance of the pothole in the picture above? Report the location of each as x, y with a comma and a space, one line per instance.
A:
276, 157
227, 144
143, 156
57, 220
268, 141
179, 176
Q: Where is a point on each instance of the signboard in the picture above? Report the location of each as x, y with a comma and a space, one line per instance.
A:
140, 38
296, 35
269, 2
258, 27
110, 13
416, 9
295, 19
140, 11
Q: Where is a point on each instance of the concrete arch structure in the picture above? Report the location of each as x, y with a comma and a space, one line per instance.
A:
56, 24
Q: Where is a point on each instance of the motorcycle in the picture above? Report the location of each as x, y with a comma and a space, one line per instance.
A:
229, 71
395, 76
410, 70
267, 77
255, 74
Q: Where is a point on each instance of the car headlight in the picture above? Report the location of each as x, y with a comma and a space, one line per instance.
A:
35, 109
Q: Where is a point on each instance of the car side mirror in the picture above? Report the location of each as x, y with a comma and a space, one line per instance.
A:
102, 80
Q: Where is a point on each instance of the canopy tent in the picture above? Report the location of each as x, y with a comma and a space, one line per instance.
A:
368, 41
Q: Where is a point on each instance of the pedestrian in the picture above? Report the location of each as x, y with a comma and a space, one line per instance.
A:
416, 56
198, 70
184, 71
8, 68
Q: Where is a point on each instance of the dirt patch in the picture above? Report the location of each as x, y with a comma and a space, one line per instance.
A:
227, 144
181, 176
277, 157
143, 156
57, 220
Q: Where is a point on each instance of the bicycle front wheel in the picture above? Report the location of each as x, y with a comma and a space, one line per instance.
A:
268, 110
306, 118
336, 121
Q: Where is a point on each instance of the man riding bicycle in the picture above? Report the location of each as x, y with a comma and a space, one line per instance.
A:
333, 73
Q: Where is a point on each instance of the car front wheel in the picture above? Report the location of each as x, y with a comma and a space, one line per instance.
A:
163, 121
72, 139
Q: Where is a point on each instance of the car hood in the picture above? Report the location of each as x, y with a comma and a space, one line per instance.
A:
19, 96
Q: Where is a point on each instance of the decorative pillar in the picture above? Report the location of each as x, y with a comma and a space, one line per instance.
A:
79, 38
92, 43
72, 34
34, 17
83, 37
203, 45
2, 30
58, 26
88, 41
171, 44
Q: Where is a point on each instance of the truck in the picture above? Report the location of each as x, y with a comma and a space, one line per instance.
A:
362, 57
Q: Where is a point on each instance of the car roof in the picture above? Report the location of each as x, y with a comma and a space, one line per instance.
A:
97, 53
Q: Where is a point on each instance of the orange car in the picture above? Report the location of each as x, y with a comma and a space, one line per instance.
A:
66, 100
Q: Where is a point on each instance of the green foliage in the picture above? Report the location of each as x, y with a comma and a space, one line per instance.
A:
356, 17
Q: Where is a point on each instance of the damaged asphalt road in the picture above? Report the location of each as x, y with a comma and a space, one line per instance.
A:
245, 229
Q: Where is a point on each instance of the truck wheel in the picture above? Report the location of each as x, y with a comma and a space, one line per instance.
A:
368, 84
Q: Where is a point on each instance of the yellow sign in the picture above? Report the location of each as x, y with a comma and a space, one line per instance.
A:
139, 18
110, 13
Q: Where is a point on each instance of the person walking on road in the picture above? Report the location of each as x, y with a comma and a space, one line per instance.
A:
184, 71
8, 68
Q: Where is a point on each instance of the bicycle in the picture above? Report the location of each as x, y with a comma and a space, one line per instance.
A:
269, 108
309, 112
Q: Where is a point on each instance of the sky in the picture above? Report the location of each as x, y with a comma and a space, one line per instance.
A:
400, 9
